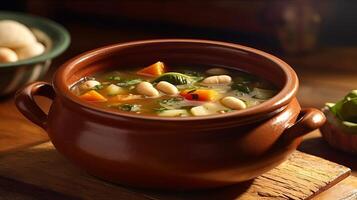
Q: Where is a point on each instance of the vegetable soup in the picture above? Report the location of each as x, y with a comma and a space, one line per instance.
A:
178, 92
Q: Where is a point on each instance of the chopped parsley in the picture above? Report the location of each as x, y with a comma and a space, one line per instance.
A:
170, 100
129, 107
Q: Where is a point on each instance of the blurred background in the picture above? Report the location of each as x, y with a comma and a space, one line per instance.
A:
316, 37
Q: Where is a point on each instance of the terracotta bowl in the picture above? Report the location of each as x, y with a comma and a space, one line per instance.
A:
172, 153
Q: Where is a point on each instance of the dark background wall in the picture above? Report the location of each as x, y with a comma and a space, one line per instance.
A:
294, 29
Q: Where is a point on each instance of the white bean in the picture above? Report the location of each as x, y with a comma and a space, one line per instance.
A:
114, 90
233, 103
31, 50
174, 113
146, 88
221, 79
15, 35
7, 55
216, 71
90, 84
167, 88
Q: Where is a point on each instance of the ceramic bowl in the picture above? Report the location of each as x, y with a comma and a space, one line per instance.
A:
338, 135
55, 39
172, 153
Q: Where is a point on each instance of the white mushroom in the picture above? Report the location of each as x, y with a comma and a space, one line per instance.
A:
90, 84
167, 88
221, 79
146, 88
7, 55
233, 103
15, 35
29, 51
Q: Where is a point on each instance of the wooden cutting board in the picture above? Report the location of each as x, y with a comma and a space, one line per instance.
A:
302, 176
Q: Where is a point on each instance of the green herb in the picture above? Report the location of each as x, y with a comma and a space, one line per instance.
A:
196, 76
130, 107
172, 103
175, 78
114, 78
159, 110
170, 100
98, 87
241, 87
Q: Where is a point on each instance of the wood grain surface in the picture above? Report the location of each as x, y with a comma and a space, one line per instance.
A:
16, 132
300, 177
347, 187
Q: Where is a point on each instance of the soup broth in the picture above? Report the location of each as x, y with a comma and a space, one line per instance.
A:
178, 92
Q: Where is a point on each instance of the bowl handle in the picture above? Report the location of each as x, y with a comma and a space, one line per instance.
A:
25, 102
308, 120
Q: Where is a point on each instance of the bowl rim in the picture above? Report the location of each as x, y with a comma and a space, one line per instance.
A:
275, 104
61, 33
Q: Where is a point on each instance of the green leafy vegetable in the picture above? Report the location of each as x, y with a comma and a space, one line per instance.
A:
196, 76
175, 78
345, 109
345, 112
351, 95
170, 100
98, 87
172, 103
114, 78
241, 87
130, 107
159, 110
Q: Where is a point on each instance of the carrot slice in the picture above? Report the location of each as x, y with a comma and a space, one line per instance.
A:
155, 69
199, 95
93, 96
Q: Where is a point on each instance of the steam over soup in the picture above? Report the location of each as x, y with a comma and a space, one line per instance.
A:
178, 92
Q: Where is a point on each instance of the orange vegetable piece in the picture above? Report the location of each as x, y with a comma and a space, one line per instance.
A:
155, 69
199, 95
124, 97
92, 96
